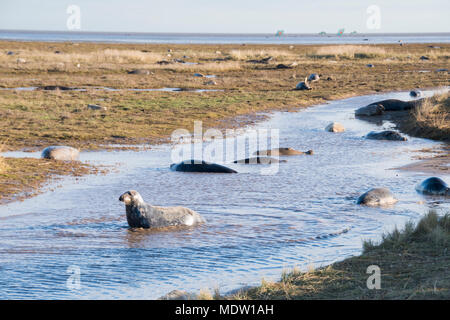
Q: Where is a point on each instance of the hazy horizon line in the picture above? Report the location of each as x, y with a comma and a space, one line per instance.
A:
227, 33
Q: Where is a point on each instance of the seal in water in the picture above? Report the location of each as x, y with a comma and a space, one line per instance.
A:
200, 166
61, 153
143, 215
335, 127
377, 197
282, 152
370, 110
389, 105
386, 135
415, 93
433, 186
259, 160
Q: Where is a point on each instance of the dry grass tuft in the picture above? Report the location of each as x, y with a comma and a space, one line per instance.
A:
434, 113
349, 52
413, 263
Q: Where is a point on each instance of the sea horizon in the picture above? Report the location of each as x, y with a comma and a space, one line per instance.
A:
224, 38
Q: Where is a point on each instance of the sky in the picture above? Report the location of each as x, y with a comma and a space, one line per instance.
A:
229, 16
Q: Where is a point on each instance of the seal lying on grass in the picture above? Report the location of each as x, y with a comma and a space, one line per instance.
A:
433, 186
377, 197
380, 107
200, 166
143, 215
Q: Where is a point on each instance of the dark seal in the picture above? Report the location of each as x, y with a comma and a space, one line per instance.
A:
433, 186
200, 166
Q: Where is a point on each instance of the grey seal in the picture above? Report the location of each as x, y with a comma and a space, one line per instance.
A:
377, 197
335, 127
282, 152
61, 153
200, 166
259, 160
304, 85
139, 71
313, 77
377, 108
386, 135
415, 93
433, 186
143, 215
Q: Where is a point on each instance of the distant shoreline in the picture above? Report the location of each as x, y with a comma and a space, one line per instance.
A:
222, 38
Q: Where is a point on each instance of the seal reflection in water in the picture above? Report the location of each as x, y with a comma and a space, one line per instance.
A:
200, 166
143, 215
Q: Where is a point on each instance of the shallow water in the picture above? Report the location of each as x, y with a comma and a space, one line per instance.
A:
256, 224
119, 89
130, 37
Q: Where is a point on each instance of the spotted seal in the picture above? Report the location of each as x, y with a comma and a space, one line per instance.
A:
143, 215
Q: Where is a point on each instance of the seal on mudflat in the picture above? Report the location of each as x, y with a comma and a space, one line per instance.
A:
143, 215
200, 166
282, 152
377, 197
61, 153
259, 160
433, 186
304, 85
386, 135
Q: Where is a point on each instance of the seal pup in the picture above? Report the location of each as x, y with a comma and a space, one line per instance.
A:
377, 197
200, 166
433, 186
143, 215
63, 153
282, 152
259, 160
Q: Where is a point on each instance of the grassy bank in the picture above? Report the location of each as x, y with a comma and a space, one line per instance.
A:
413, 262
33, 119
21, 178
430, 120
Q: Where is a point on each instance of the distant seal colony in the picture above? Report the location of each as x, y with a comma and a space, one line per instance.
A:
143, 215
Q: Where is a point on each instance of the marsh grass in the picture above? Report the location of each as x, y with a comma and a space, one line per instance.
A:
413, 261
431, 119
